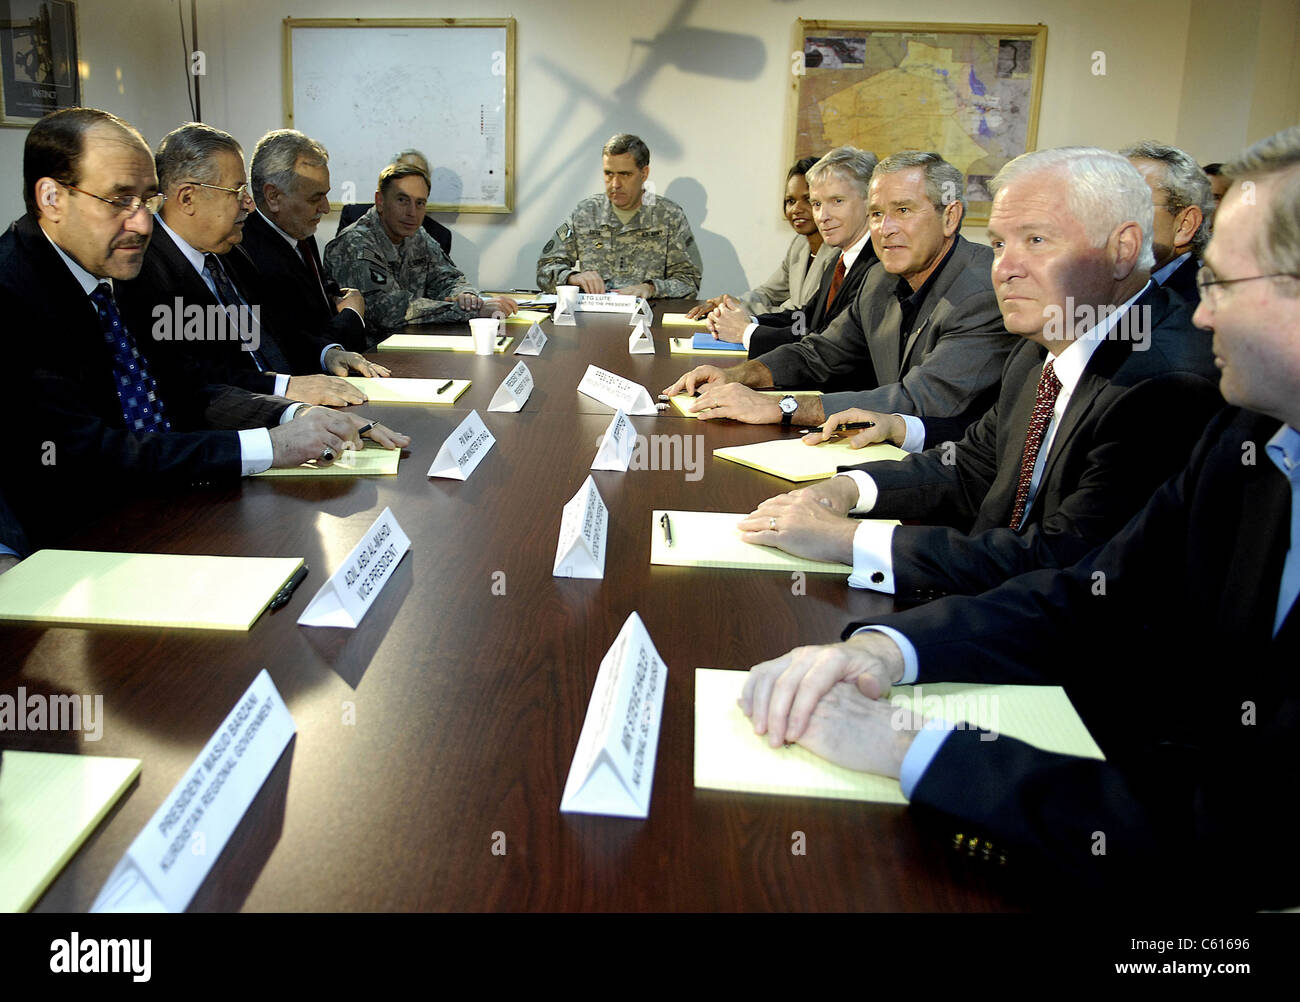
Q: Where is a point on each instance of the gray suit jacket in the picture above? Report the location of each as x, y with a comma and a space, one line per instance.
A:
949, 363
792, 285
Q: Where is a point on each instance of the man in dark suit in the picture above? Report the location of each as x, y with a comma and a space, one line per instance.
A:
196, 280
13, 541
349, 214
291, 182
1179, 639
838, 185
924, 335
97, 424
1184, 204
1100, 403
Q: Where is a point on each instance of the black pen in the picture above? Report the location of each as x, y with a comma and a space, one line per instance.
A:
365, 428
667, 527
284, 594
846, 426
501, 340
445, 387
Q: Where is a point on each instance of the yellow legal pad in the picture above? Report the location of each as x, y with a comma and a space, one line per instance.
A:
372, 461
528, 317
437, 342
143, 589
711, 539
49, 804
730, 756
790, 459
393, 390
679, 320
683, 400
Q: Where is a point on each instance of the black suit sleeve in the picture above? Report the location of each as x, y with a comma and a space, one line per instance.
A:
1143, 437
11, 532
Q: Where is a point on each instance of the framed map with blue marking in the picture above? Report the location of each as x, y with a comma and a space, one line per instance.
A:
970, 92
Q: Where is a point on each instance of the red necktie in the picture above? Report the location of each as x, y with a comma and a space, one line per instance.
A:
836, 281
1048, 389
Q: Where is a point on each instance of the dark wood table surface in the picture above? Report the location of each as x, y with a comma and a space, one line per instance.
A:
452, 713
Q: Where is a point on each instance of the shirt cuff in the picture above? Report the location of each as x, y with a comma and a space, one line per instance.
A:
914, 440
327, 348
873, 561
281, 384
910, 663
749, 333
255, 450
925, 746
867, 491
7, 552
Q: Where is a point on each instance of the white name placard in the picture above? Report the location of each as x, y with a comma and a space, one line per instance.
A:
463, 450
642, 311
514, 390
640, 342
534, 341
352, 589
615, 391
613, 767
584, 529
172, 855
616, 448
607, 302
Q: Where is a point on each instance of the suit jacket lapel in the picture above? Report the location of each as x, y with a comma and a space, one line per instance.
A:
824, 290
1254, 575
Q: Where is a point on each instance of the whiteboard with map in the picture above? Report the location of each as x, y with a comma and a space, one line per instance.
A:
969, 92
368, 88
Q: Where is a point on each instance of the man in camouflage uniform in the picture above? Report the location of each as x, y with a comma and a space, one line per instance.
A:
399, 269
620, 242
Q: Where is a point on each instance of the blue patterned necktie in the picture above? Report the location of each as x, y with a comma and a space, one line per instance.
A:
229, 297
136, 390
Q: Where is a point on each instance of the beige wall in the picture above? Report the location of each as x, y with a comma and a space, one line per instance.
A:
1209, 76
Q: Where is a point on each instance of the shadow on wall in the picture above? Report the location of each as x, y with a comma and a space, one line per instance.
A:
700, 51
722, 268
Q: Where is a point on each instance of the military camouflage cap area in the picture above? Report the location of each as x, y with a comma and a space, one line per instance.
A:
656, 245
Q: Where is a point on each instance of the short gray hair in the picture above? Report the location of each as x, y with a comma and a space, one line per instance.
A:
189, 154
848, 162
943, 182
276, 157
1184, 184
1279, 245
411, 155
625, 142
1104, 191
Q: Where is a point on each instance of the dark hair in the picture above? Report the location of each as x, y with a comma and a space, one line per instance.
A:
395, 172
1214, 170
186, 154
625, 142
55, 145
800, 167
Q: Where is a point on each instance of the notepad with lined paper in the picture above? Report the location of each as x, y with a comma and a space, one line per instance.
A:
142, 589
790, 459
730, 756
437, 342
395, 390
711, 539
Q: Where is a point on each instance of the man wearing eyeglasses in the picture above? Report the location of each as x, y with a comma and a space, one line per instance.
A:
94, 422
200, 295
1180, 637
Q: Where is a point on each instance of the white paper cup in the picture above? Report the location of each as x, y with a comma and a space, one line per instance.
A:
567, 296
485, 331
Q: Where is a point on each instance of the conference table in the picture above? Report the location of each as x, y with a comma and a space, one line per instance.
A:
433, 741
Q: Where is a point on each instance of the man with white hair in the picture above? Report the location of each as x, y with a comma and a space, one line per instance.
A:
1178, 639
1184, 204
1099, 404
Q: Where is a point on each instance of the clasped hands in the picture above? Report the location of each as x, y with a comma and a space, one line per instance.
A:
830, 699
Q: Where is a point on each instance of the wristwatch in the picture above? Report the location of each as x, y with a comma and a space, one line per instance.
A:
788, 405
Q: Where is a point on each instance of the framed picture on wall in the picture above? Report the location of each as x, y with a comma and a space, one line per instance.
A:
969, 92
39, 67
